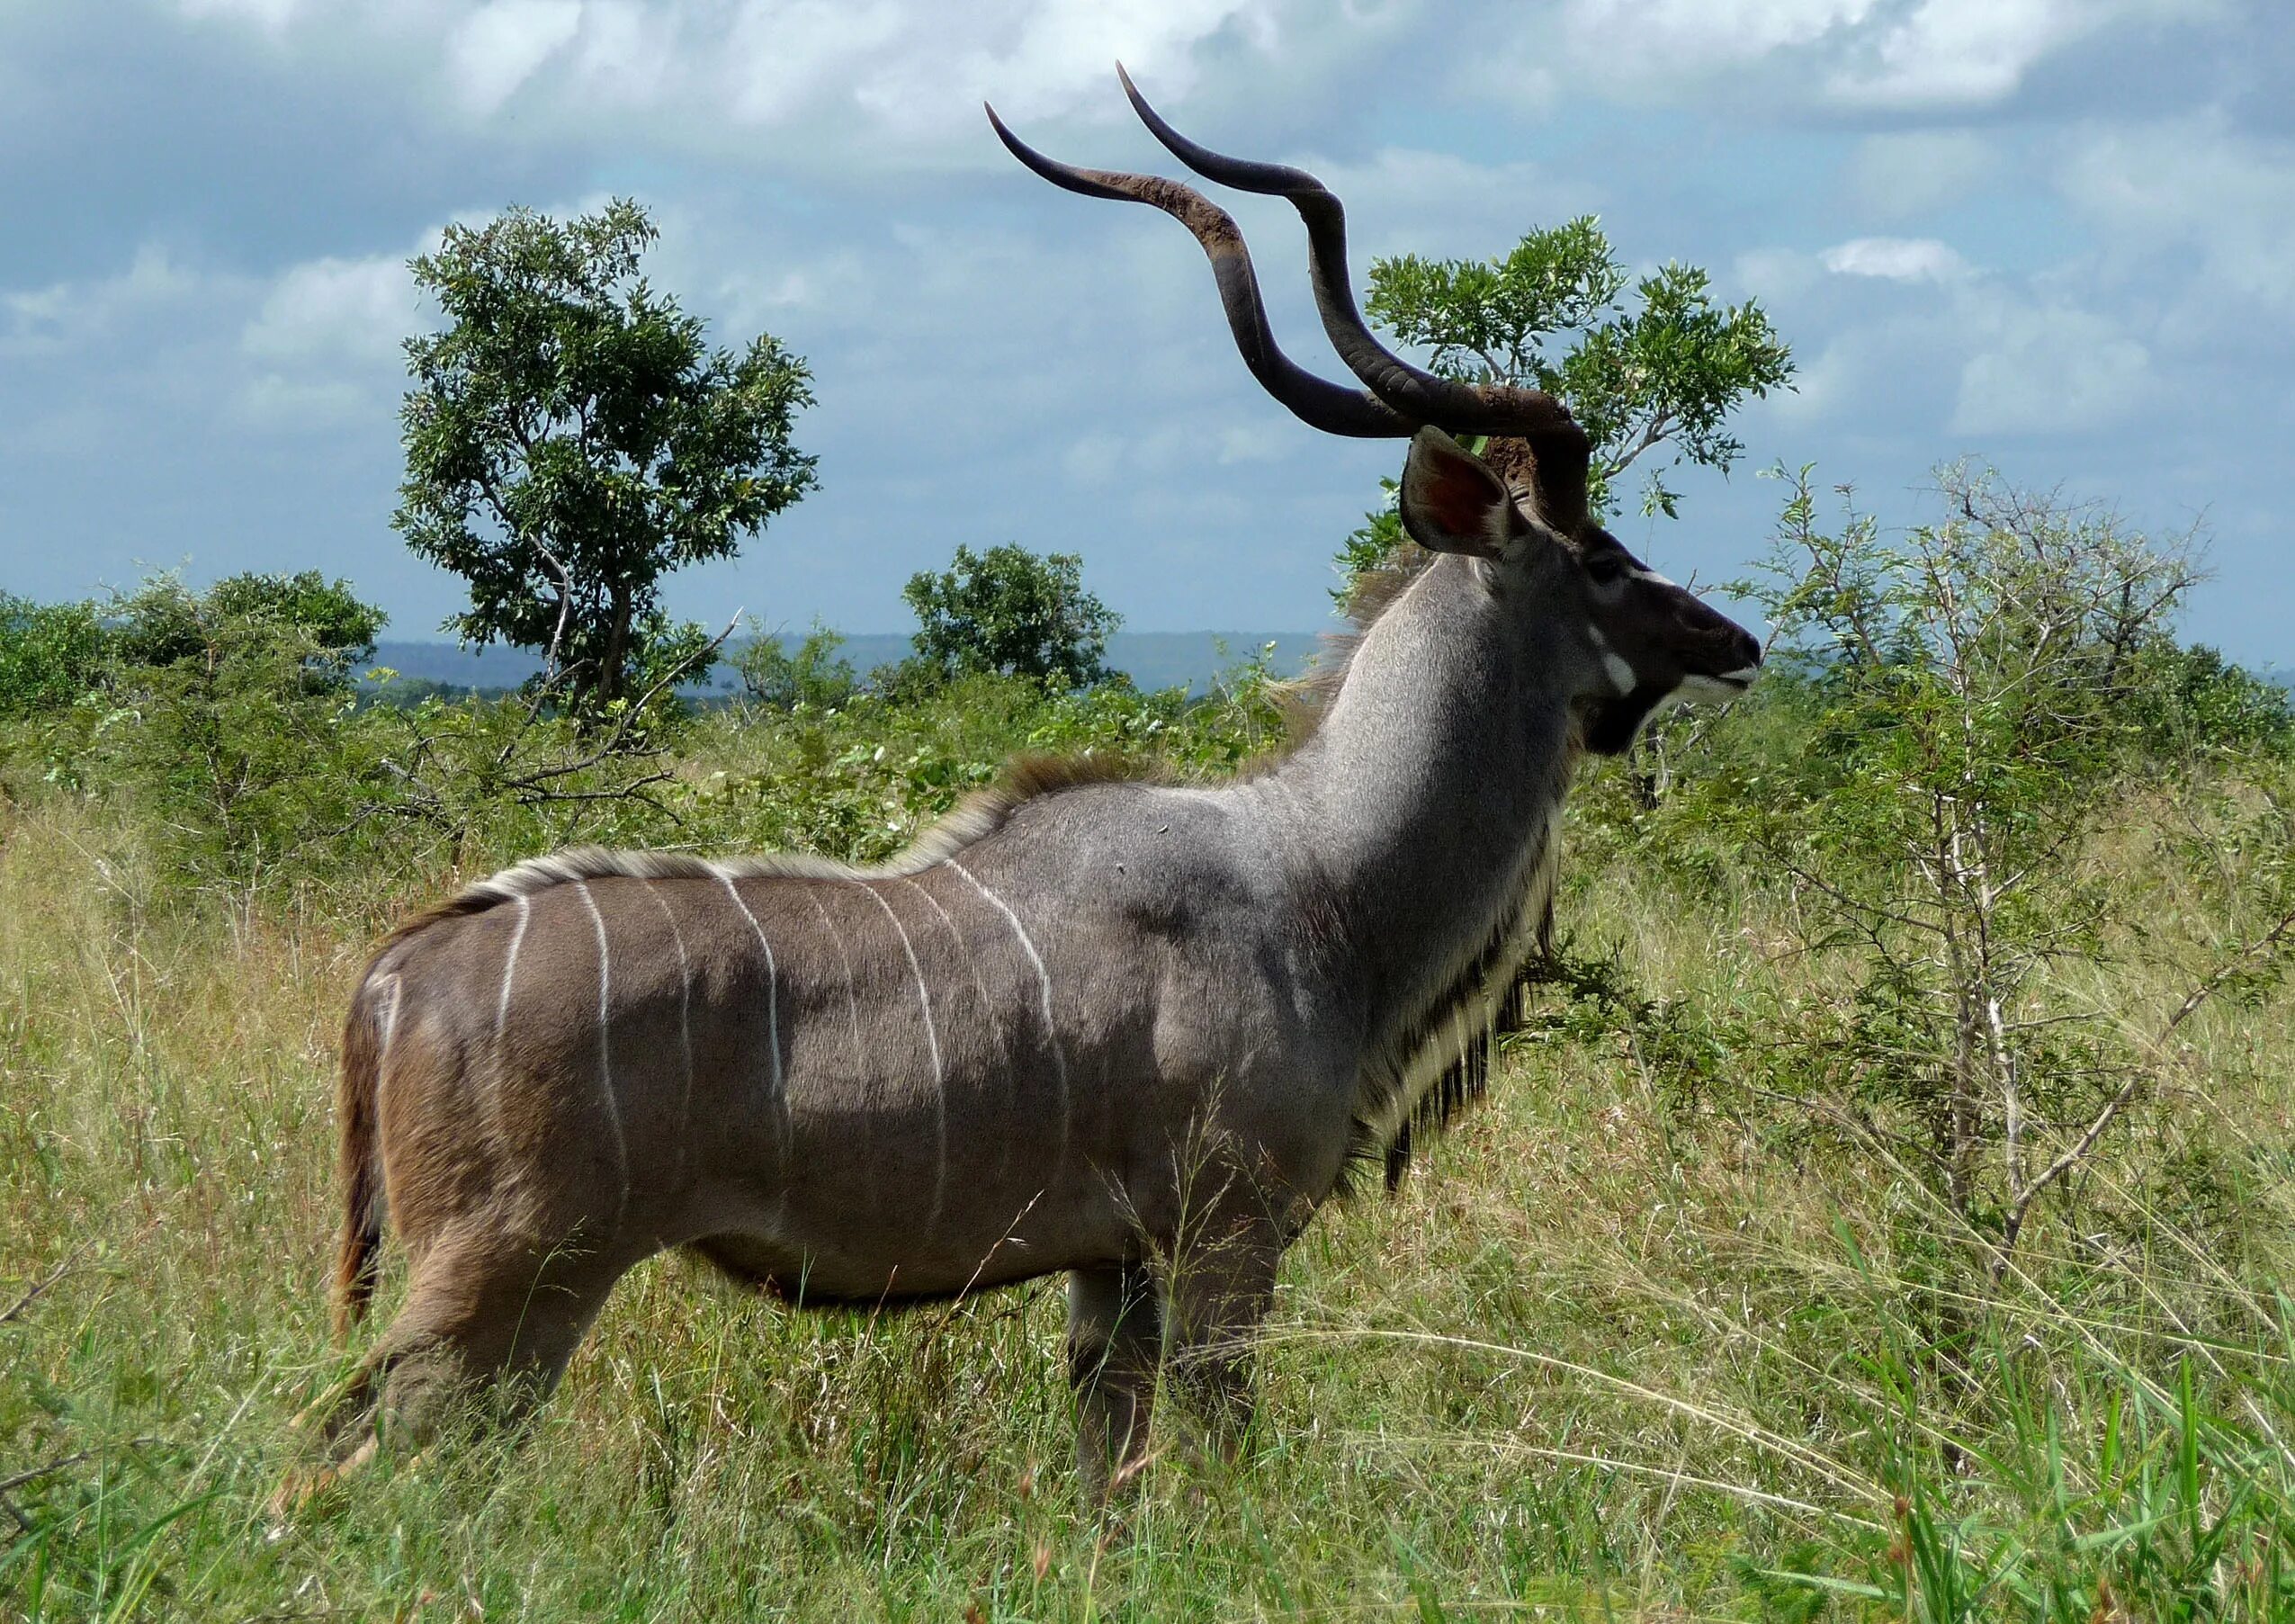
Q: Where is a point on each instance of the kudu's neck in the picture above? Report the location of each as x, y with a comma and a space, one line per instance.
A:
1432, 785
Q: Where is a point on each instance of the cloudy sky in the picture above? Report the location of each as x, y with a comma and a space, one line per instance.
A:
2058, 235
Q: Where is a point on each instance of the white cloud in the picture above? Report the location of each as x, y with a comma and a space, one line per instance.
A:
1856, 54
1980, 354
276, 401
1045, 59
1094, 459
1964, 52
1834, 385
270, 15
858, 79
1775, 273
322, 346
1895, 259
327, 310
1410, 200
1673, 37
779, 59
2051, 370
1263, 442
498, 48
2169, 192
65, 315
622, 56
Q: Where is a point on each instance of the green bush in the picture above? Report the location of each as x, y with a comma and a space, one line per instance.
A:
1953, 728
228, 715
813, 674
2192, 703
50, 655
166, 624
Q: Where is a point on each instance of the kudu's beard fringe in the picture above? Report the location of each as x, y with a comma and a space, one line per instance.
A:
1467, 1079
1456, 1034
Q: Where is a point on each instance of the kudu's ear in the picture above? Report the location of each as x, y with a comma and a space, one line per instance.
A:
1552, 468
1453, 503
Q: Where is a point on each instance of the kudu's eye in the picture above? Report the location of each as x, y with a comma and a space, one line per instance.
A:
1604, 571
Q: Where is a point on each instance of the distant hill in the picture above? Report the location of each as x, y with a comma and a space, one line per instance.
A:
1153, 660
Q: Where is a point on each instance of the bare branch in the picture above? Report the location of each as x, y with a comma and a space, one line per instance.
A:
1855, 905
630, 716
2223, 973
49, 1470
58, 1273
631, 790
2126, 1091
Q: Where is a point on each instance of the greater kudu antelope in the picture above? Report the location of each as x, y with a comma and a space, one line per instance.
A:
1135, 1032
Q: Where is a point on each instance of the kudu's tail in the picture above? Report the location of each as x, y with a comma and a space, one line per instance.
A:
356, 1258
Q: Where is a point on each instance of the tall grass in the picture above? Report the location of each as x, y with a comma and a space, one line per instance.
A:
1612, 1351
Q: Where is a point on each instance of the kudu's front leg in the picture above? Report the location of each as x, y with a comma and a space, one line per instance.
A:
1215, 1302
1115, 1339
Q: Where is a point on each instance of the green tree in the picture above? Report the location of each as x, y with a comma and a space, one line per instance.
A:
571, 438
1008, 610
1662, 375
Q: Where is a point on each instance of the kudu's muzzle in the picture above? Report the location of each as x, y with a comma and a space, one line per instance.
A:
1713, 648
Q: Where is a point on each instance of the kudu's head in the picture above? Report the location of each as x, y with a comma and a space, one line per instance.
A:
1521, 506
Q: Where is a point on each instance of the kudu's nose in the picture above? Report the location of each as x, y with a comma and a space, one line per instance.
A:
1736, 653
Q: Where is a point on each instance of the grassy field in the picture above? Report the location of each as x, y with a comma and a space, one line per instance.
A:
1610, 1352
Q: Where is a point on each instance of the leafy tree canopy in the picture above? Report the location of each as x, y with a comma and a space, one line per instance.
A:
1667, 373
572, 439
1661, 372
1009, 610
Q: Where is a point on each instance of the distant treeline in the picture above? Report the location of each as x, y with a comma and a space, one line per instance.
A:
1151, 659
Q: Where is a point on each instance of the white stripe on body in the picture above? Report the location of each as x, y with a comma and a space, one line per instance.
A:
510, 968
782, 1127
684, 1027
860, 1051
389, 1021
995, 1017
605, 1046
502, 1012
932, 1043
1044, 985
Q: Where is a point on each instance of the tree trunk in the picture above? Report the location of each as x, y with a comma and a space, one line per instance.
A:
617, 659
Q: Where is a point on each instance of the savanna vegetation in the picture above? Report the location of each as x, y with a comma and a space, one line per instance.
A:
1883, 1211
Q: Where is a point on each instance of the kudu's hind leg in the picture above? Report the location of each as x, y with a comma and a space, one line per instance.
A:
484, 1323
1114, 1339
